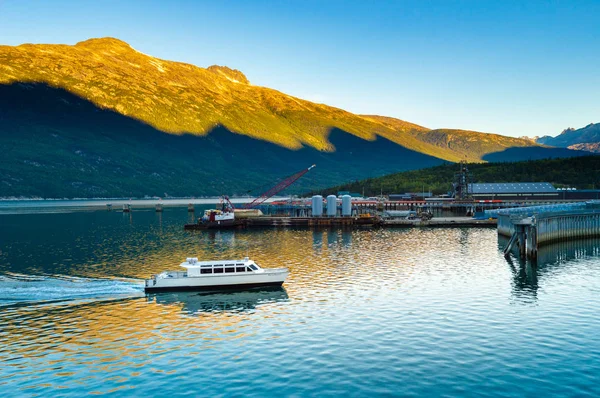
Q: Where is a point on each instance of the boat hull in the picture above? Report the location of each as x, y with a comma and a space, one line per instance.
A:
221, 281
213, 288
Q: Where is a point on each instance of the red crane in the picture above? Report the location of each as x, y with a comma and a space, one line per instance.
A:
277, 188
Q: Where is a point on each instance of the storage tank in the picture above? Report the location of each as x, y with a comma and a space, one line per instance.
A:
346, 205
317, 206
331, 206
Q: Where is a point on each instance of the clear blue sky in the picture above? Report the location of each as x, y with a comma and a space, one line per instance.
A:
514, 68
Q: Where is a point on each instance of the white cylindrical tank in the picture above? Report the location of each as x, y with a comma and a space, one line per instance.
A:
346, 205
317, 206
331, 206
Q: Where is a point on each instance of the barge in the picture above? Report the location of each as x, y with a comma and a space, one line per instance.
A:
284, 221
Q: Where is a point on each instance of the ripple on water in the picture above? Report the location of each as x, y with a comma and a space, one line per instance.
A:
387, 312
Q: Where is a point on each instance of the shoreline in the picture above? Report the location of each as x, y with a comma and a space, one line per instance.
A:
26, 206
38, 199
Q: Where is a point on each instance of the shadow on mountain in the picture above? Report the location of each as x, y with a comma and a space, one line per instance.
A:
55, 144
532, 153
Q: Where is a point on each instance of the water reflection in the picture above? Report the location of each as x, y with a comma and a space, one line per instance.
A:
562, 252
346, 238
397, 304
525, 280
333, 236
552, 260
191, 218
195, 303
317, 235
128, 216
159, 216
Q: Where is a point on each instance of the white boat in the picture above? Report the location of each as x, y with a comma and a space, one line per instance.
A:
218, 217
216, 275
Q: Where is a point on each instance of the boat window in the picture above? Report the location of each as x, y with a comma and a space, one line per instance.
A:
240, 264
253, 267
207, 266
206, 271
229, 269
218, 270
240, 269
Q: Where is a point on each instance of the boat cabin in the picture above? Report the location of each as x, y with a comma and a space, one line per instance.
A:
203, 268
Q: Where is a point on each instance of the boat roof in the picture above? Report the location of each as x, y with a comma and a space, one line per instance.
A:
193, 262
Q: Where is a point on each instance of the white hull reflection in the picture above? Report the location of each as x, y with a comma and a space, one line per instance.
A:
201, 302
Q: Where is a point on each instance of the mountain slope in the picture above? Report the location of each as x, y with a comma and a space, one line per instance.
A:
101, 119
575, 138
55, 144
455, 144
588, 146
180, 98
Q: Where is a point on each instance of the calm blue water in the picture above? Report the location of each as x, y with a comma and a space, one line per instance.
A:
364, 313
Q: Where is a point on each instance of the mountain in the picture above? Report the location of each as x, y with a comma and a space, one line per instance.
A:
586, 138
101, 119
55, 144
588, 146
438, 179
449, 144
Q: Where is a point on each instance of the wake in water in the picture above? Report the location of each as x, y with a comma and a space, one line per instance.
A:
21, 289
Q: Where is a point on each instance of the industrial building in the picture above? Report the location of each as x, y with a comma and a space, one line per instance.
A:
410, 196
514, 191
527, 191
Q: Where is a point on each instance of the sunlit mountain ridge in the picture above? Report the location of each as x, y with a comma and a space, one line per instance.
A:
101, 119
181, 98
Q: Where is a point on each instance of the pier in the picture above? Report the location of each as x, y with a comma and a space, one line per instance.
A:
274, 221
298, 208
365, 221
531, 228
440, 222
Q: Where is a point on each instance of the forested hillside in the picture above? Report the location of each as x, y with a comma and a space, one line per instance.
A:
580, 172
